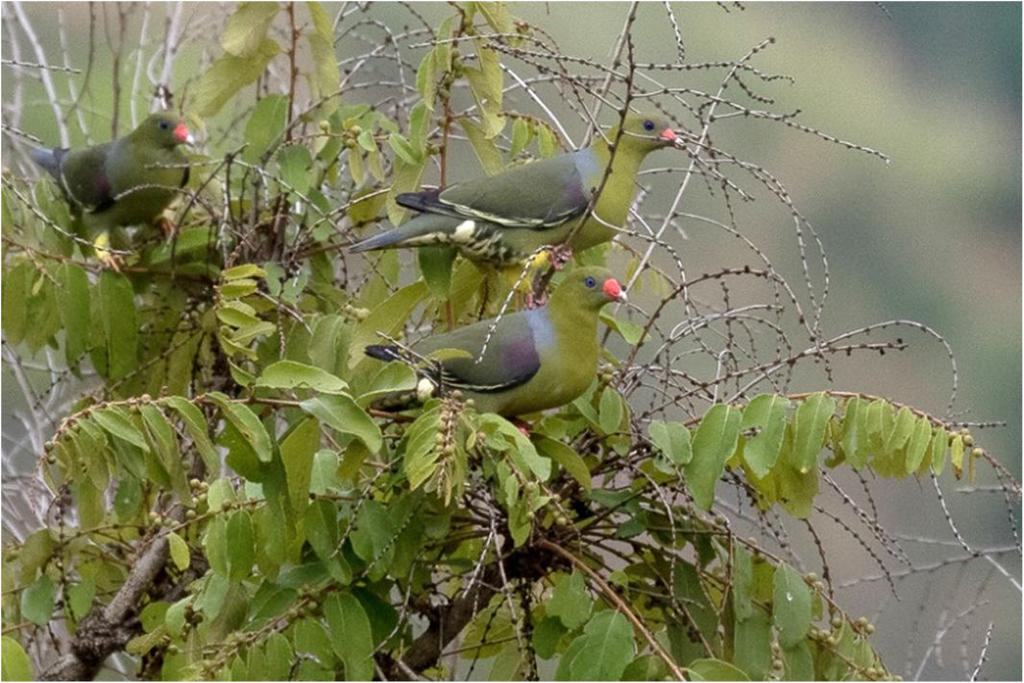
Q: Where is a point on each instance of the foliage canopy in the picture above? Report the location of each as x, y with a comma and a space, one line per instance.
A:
225, 499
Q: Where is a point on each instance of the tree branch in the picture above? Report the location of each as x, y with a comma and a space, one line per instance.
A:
107, 629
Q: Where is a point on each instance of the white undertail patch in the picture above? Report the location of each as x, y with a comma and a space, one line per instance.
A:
464, 231
424, 389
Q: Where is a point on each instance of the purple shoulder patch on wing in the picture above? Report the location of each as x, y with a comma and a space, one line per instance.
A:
519, 357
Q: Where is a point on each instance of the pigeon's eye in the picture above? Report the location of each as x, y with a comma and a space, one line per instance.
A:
648, 125
164, 125
590, 282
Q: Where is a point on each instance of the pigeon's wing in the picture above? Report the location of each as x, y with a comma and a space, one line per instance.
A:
511, 357
538, 195
84, 177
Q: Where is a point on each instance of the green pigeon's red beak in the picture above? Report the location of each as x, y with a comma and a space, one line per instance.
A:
613, 290
181, 134
668, 135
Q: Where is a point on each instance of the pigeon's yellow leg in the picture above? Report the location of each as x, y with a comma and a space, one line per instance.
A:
166, 224
101, 245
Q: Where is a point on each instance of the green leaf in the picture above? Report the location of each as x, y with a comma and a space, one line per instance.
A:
324, 474
742, 583
174, 617
547, 143
15, 292
393, 377
80, 596
752, 645
73, 301
520, 136
497, 16
311, 637
165, 446
289, 374
629, 331
344, 415
715, 670
247, 27
180, 554
956, 455
297, 451
566, 457
405, 178
321, 43
386, 318
421, 452
321, 522
247, 424
35, 552
294, 163
546, 634
419, 118
795, 490
229, 74
611, 410
215, 543
791, 606
604, 651
505, 436
855, 433
937, 450
351, 639
486, 83
37, 600
672, 439
485, 150
195, 425
646, 668
374, 533
366, 206
713, 444
569, 600
279, 658
799, 662
242, 272
117, 318
115, 421
810, 422
264, 129
901, 430
876, 418
405, 150
920, 439
426, 78
241, 551
16, 665
767, 414
436, 266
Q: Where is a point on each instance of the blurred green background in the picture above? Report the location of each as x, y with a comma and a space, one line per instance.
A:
935, 236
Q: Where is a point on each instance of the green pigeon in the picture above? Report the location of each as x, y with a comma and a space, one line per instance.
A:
128, 181
501, 220
529, 361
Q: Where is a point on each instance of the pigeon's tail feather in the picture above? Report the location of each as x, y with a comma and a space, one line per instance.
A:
396, 400
382, 352
48, 159
381, 241
423, 230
